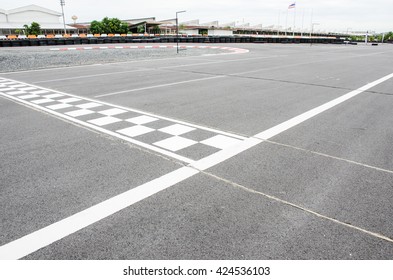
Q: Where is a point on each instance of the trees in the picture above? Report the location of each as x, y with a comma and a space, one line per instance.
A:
108, 25
95, 27
389, 36
33, 29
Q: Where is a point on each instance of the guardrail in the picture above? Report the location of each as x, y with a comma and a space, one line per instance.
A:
78, 39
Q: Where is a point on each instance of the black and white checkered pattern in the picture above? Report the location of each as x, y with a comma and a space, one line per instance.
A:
190, 142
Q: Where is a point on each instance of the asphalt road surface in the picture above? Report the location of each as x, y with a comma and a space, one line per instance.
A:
282, 152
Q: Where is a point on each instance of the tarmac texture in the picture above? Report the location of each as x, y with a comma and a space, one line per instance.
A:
282, 152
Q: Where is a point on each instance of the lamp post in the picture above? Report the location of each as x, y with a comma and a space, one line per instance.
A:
62, 3
177, 31
312, 30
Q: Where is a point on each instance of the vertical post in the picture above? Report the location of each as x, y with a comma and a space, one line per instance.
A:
278, 26
62, 3
177, 35
294, 20
286, 23
177, 31
312, 11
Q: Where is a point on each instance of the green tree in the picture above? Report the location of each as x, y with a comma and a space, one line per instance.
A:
96, 27
389, 36
156, 29
109, 25
140, 28
33, 29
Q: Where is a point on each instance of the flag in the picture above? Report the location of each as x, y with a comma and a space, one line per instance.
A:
292, 6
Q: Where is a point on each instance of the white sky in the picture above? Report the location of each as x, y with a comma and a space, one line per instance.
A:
332, 15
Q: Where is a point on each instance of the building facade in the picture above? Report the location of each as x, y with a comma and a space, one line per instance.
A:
12, 21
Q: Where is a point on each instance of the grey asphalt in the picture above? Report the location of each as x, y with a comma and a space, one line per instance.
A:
260, 204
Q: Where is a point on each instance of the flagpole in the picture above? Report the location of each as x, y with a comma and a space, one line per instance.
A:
312, 11
286, 23
278, 26
302, 23
294, 20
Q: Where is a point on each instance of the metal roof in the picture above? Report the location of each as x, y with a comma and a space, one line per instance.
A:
32, 8
19, 25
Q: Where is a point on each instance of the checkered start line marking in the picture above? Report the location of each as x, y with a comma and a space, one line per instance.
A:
229, 49
41, 238
180, 140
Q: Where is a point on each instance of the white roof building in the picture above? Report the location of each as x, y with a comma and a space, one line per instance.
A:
49, 20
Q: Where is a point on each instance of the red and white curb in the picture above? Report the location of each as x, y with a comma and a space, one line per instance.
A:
232, 50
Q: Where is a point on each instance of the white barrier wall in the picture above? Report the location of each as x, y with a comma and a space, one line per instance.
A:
218, 32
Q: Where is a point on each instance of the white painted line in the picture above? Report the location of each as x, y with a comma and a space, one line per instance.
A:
69, 100
46, 236
30, 96
58, 106
27, 88
6, 89
147, 60
142, 120
92, 76
147, 114
70, 117
267, 134
223, 155
104, 121
52, 233
135, 130
89, 105
158, 86
42, 101
175, 143
221, 142
39, 91
78, 113
113, 112
176, 129
53, 95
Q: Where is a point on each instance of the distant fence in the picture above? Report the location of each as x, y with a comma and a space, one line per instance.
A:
77, 39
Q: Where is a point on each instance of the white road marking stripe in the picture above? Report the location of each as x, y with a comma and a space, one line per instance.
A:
42, 101
59, 106
52, 233
316, 111
70, 117
39, 91
30, 96
92, 76
69, 100
46, 236
197, 57
104, 121
78, 113
53, 95
158, 86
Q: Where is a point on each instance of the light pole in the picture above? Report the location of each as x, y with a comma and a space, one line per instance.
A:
312, 30
177, 31
62, 3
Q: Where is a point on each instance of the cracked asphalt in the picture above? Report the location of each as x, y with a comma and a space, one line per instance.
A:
319, 190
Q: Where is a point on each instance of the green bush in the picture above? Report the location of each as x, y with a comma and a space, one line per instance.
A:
108, 25
33, 29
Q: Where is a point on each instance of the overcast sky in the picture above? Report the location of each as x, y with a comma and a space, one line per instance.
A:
332, 15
